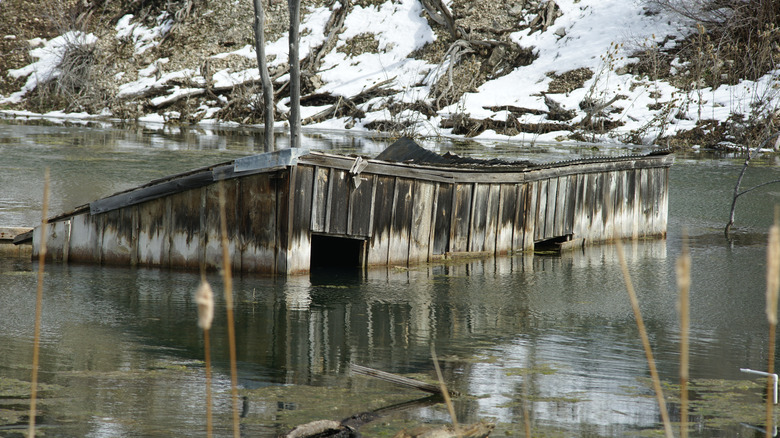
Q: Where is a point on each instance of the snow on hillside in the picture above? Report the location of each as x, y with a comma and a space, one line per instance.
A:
599, 35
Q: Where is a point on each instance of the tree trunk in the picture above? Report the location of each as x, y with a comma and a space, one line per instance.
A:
265, 78
295, 74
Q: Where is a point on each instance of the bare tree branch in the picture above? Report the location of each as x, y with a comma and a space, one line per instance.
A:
737, 192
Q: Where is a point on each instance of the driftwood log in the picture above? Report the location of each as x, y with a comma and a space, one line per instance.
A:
398, 380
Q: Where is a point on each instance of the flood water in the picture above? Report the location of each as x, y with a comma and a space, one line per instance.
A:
543, 341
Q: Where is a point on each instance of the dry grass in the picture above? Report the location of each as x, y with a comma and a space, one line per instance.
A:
683, 269
772, 287
204, 297
645, 343
39, 305
227, 279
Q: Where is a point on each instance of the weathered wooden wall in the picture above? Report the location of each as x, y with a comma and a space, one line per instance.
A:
402, 214
182, 230
407, 220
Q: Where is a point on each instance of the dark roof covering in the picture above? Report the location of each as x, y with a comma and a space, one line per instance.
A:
406, 150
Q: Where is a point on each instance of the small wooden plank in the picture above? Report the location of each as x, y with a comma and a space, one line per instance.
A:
596, 226
571, 202
608, 216
646, 202
519, 221
360, 207
622, 205
632, 196
578, 215
586, 213
284, 183
432, 226
383, 216
552, 203
662, 174
507, 212
560, 206
479, 213
442, 219
659, 213
300, 244
329, 199
398, 252
491, 224
461, 217
541, 210
531, 214
338, 202
422, 214
319, 199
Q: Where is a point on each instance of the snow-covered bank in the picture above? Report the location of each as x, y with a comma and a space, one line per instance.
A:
384, 72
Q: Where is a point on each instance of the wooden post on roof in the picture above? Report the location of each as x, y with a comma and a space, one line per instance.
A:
265, 78
295, 74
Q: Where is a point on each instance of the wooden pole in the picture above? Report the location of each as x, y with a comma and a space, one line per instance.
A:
295, 74
265, 78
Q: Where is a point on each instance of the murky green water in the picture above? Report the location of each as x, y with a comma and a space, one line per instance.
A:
545, 340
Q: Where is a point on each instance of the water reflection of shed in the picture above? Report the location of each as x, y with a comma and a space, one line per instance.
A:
293, 209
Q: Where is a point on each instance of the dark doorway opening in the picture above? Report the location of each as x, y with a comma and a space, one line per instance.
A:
555, 244
335, 252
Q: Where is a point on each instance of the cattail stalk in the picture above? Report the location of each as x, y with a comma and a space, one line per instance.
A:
645, 343
683, 288
228, 284
772, 286
204, 297
444, 392
526, 414
38, 306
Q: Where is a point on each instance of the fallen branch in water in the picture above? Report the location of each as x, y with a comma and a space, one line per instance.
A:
398, 380
737, 193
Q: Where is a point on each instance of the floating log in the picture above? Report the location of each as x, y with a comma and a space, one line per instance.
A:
293, 209
398, 380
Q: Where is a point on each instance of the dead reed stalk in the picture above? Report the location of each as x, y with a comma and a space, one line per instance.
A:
38, 305
444, 392
683, 288
227, 279
645, 342
204, 297
772, 286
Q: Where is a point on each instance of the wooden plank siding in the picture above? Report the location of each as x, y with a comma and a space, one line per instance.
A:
461, 217
400, 214
422, 222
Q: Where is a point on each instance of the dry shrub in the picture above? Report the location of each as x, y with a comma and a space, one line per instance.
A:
569, 80
734, 39
245, 105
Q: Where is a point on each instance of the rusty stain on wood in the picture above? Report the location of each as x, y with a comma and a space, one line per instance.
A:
392, 213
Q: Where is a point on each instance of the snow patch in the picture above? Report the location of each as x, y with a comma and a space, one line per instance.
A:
49, 58
144, 38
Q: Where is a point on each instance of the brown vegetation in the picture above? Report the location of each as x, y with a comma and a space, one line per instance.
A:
732, 40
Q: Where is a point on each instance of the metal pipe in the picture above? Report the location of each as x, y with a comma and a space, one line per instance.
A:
765, 374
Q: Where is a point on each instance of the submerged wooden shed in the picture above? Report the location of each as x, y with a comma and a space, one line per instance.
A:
293, 209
